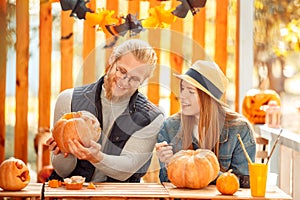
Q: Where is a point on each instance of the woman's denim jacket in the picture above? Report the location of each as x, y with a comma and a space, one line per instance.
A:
231, 154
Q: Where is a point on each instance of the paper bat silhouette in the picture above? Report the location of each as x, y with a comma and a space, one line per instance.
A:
131, 24
78, 7
186, 5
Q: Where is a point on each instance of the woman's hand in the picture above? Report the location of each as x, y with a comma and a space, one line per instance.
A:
91, 153
164, 151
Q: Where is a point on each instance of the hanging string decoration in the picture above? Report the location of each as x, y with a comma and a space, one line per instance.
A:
105, 21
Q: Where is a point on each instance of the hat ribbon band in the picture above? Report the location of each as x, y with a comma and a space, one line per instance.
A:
207, 84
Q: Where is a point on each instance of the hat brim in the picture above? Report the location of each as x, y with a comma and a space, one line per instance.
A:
196, 84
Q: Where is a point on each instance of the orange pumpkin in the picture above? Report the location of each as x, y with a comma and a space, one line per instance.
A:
193, 168
81, 125
14, 174
254, 101
228, 183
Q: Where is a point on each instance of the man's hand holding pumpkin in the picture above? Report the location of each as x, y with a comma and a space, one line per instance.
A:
91, 153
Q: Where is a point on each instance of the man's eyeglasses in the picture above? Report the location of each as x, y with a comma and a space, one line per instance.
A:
121, 73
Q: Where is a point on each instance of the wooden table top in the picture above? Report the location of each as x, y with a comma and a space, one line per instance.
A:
211, 192
110, 190
31, 190
140, 190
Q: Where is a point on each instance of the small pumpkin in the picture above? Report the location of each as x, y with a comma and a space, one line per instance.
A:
228, 183
254, 101
81, 125
193, 168
14, 174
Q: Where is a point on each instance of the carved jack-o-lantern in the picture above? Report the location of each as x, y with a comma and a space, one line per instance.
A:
14, 174
254, 102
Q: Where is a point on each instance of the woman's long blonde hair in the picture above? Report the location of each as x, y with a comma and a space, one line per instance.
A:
213, 117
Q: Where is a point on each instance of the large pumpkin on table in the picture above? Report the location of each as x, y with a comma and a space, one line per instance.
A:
193, 168
253, 104
14, 174
81, 125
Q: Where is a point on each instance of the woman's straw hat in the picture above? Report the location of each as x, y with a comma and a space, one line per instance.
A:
208, 77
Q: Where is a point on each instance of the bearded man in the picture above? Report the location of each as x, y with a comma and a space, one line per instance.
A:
129, 121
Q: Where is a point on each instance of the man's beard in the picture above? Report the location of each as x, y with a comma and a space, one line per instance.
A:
110, 81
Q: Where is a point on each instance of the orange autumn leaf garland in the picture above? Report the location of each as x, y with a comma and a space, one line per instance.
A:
159, 17
102, 18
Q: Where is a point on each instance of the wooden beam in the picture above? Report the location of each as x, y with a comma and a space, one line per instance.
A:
45, 64
3, 59
134, 7
221, 34
176, 62
154, 38
66, 48
22, 59
199, 28
111, 5
89, 57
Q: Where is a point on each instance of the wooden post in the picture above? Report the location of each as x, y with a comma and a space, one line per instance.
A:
110, 5
199, 35
66, 48
134, 6
89, 59
22, 57
153, 82
3, 54
45, 64
221, 34
176, 62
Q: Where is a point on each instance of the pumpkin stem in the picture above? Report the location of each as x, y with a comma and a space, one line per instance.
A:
229, 171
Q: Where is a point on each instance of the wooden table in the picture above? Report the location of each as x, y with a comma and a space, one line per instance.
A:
110, 191
136, 191
211, 192
32, 191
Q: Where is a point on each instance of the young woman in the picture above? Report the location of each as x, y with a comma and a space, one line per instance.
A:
206, 122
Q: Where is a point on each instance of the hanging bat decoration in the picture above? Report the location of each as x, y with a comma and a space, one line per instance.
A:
188, 5
78, 7
131, 24
159, 17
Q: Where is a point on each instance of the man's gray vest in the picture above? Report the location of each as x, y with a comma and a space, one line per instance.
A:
138, 114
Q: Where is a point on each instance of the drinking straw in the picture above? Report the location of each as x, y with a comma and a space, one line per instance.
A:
244, 149
274, 145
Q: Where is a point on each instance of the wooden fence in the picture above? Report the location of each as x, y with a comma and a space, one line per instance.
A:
198, 35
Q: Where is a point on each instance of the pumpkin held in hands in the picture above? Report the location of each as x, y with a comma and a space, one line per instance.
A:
14, 174
228, 183
253, 103
81, 125
193, 168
